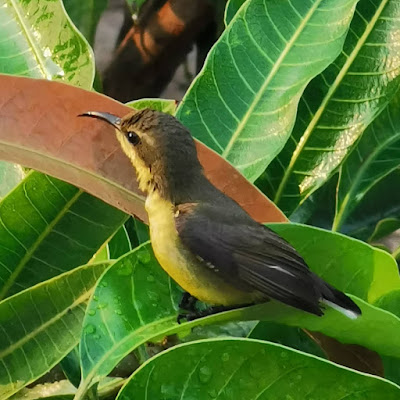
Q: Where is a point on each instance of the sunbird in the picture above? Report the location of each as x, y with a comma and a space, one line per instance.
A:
202, 238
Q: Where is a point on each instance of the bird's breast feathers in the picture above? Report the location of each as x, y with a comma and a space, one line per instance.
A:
192, 274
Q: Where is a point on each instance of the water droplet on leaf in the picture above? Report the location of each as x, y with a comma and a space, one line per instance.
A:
205, 374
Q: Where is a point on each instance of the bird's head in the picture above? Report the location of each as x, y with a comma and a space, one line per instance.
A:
160, 148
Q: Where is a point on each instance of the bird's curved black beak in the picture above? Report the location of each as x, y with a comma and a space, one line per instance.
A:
109, 118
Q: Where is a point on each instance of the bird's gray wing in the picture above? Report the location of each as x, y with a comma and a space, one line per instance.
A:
248, 255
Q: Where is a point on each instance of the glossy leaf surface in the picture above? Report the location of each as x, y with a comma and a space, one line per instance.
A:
376, 155
39, 40
41, 325
85, 152
249, 369
86, 15
339, 104
243, 103
48, 227
136, 301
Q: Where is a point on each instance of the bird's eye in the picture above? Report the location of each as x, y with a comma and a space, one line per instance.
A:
133, 138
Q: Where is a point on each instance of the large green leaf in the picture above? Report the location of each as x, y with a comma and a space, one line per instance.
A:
339, 104
376, 155
85, 15
131, 295
249, 369
48, 227
39, 40
136, 301
381, 202
243, 103
41, 325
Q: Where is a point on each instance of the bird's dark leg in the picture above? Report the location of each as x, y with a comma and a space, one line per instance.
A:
188, 302
191, 316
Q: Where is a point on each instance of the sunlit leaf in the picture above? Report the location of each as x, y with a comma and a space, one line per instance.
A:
339, 104
243, 103
10, 176
163, 105
39, 40
376, 155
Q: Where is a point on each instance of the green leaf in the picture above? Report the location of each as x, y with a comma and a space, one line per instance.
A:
135, 292
289, 336
243, 104
71, 366
249, 369
48, 227
376, 155
136, 301
339, 104
232, 7
39, 40
86, 15
163, 105
64, 390
119, 243
382, 201
384, 227
10, 176
41, 325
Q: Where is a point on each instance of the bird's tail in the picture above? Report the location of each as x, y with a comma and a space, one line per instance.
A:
340, 302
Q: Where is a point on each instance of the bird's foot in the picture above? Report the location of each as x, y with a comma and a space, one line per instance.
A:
188, 302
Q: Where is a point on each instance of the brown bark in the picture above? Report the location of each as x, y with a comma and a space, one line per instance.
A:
154, 47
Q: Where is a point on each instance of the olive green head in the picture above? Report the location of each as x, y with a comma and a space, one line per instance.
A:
160, 148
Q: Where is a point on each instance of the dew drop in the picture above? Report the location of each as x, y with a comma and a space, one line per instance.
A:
284, 354
92, 312
213, 393
150, 278
103, 284
153, 296
205, 374
225, 357
90, 329
125, 269
95, 298
118, 312
144, 256
102, 305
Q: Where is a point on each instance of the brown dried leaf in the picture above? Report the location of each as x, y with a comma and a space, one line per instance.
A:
39, 128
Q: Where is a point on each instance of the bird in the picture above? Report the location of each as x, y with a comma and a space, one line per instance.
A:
202, 238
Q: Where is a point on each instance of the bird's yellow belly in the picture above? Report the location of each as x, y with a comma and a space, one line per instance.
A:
183, 267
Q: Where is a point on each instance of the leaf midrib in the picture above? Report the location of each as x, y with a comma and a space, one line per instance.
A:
304, 139
73, 166
37, 243
270, 76
35, 50
31, 335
